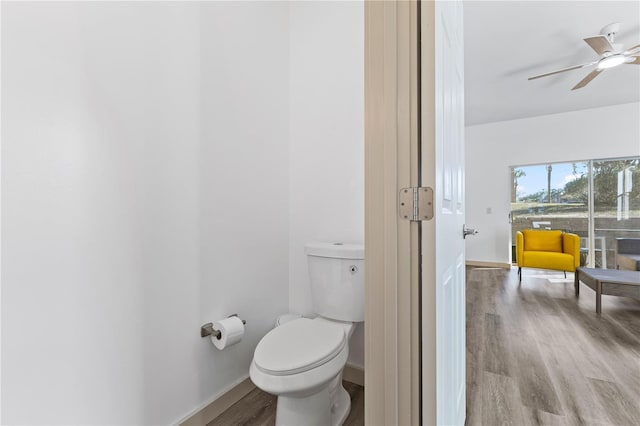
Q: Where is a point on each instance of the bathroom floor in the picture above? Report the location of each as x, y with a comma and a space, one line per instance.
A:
259, 408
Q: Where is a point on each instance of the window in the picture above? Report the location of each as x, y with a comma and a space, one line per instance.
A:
616, 205
599, 200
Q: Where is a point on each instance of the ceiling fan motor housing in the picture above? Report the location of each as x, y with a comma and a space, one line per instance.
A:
610, 31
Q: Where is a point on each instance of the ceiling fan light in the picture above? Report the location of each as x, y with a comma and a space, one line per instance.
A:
611, 61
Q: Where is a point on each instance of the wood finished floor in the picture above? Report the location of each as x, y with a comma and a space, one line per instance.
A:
536, 354
258, 408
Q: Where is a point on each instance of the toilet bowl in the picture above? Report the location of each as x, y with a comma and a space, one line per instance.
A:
302, 359
301, 362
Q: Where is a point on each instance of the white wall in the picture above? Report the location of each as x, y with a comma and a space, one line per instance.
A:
144, 192
163, 165
244, 163
492, 148
327, 138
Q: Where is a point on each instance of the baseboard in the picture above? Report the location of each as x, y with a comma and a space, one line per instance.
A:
219, 404
225, 399
354, 374
488, 264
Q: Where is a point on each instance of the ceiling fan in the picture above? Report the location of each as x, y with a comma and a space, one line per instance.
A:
611, 55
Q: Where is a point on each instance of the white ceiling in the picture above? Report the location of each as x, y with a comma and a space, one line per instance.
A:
508, 41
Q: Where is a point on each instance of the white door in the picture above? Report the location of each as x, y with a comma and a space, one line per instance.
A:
443, 273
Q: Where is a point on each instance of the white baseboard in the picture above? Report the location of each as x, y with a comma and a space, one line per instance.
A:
354, 374
225, 399
488, 264
220, 403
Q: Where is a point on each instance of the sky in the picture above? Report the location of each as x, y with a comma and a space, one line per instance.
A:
536, 177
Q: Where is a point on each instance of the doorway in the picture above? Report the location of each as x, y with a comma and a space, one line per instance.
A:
415, 365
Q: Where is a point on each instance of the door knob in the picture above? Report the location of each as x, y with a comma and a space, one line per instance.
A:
468, 231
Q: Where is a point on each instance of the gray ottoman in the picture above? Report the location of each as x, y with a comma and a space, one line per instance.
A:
628, 253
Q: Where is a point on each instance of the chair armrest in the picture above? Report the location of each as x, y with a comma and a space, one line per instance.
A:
519, 247
571, 245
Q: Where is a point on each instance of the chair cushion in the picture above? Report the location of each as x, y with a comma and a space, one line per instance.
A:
535, 240
548, 260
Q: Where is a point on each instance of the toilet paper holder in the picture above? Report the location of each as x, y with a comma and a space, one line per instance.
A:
208, 330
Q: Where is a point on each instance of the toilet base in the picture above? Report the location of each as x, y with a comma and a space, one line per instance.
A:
312, 410
318, 409
341, 407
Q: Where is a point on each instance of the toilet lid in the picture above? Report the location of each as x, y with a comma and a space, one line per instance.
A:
298, 346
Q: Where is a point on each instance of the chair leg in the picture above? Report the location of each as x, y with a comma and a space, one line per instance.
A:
565, 274
519, 274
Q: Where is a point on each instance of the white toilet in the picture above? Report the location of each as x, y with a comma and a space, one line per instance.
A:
301, 361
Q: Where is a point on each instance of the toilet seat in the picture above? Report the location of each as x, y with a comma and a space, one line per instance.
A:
298, 346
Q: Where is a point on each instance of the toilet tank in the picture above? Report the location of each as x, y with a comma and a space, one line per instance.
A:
336, 275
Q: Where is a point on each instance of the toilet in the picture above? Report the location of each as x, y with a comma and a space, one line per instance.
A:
301, 360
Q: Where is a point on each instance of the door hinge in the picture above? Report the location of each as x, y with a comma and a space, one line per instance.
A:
416, 203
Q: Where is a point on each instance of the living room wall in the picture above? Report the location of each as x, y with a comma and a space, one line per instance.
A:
491, 148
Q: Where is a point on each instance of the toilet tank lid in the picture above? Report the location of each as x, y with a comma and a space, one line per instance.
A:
335, 250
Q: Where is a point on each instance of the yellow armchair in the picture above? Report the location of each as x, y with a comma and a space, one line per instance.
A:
544, 249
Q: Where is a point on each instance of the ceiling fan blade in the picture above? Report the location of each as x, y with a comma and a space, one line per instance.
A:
632, 50
636, 60
593, 74
600, 44
575, 67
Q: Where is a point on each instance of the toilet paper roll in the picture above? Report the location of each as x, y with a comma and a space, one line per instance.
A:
231, 332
